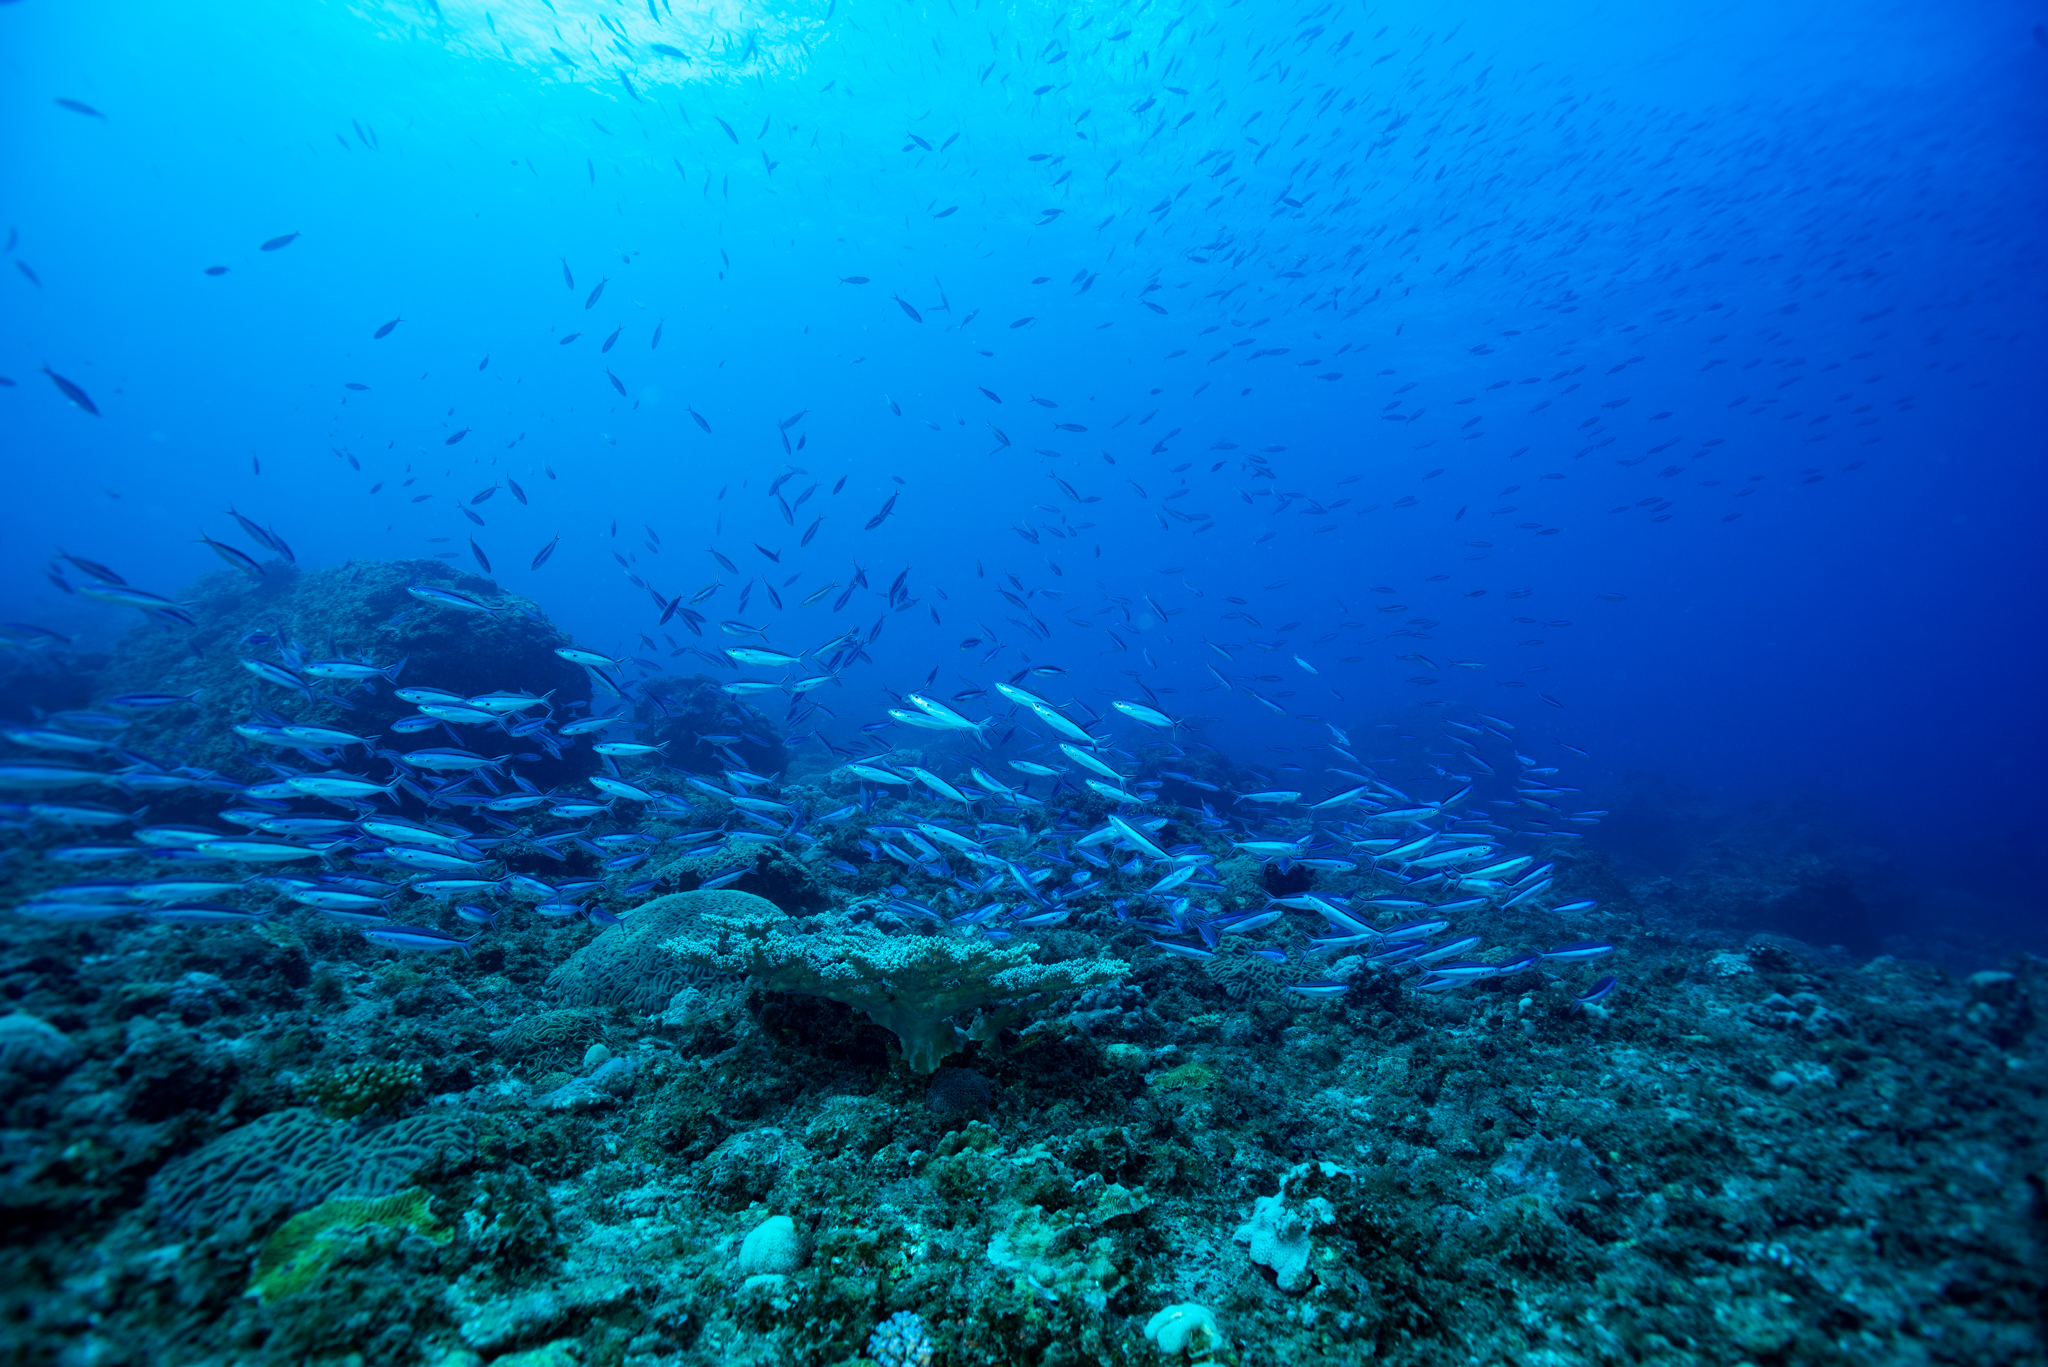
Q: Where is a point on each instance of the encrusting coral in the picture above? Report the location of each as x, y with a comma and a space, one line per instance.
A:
912, 985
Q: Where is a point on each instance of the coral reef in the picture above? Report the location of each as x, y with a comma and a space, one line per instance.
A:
359, 610
550, 1035
1754, 1156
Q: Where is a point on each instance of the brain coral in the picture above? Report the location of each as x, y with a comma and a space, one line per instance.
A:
549, 1033
290, 1160
626, 967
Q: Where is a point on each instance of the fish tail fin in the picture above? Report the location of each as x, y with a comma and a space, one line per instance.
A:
391, 674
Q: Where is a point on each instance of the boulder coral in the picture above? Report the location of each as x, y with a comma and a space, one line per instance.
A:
922, 988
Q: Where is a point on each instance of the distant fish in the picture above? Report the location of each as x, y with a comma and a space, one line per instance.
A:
80, 107
72, 392
279, 243
381, 333
264, 536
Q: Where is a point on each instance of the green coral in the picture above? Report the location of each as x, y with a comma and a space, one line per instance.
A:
360, 1088
298, 1255
912, 985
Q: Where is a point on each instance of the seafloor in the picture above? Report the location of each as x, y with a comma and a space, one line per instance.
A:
279, 1143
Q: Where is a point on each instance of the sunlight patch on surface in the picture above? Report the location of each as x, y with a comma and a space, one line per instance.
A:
631, 48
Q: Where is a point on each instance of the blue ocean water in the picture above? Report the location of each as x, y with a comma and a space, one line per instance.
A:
1602, 431
1803, 233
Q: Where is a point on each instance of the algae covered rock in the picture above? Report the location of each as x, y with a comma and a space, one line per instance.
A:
919, 987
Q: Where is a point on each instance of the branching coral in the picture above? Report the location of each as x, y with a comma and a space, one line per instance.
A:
921, 987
